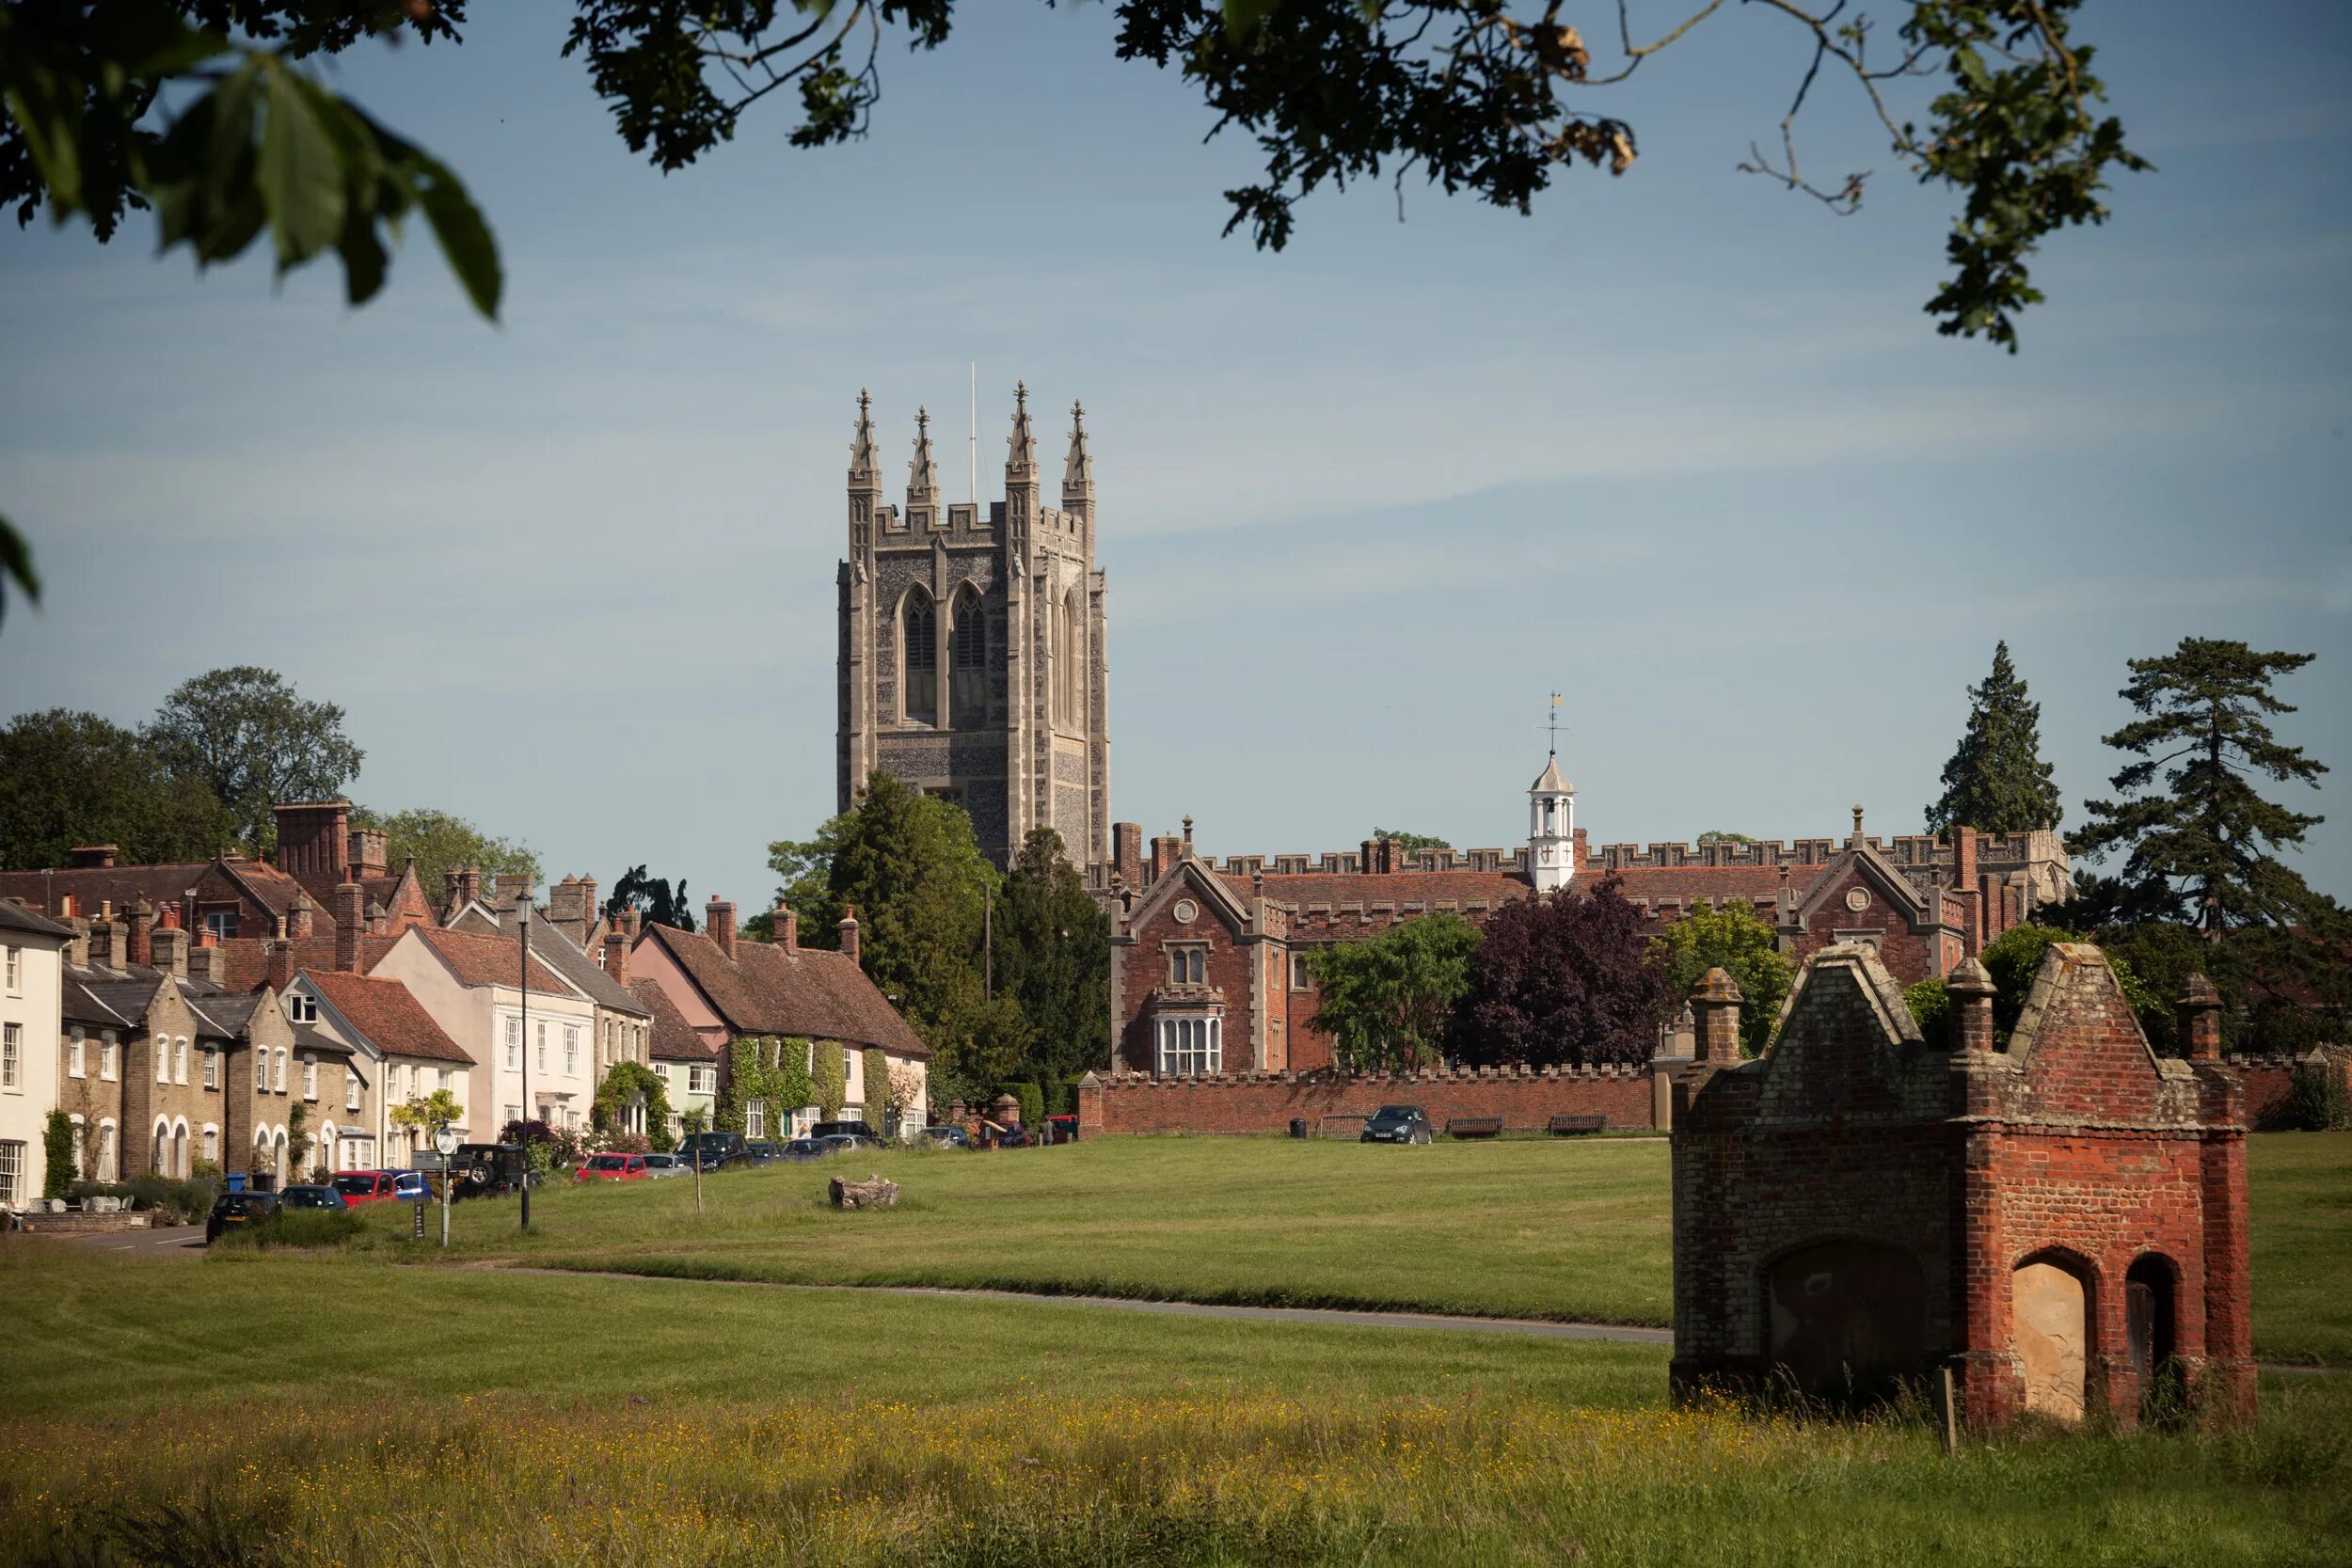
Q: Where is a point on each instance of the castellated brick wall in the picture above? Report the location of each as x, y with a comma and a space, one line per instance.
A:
1266, 1103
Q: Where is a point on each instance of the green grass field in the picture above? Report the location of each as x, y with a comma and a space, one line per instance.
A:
350, 1408
1576, 1230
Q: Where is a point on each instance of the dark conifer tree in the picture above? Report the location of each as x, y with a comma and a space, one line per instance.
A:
2190, 819
1050, 951
1996, 782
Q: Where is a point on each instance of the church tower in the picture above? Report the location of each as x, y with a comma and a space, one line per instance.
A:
972, 646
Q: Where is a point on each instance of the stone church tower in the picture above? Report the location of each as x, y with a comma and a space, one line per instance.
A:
972, 660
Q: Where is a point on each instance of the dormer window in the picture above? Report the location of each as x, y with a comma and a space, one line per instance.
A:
302, 1008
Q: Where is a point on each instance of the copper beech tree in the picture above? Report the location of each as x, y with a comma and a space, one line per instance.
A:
1563, 980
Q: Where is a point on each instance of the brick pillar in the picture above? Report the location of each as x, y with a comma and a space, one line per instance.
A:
786, 927
1127, 853
2224, 1385
1090, 1107
719, 926
1964, 880
1971, 992
1715, 1012
351, 919
2197, 1019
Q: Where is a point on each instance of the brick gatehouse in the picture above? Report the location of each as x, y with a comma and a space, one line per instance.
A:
2060, 1218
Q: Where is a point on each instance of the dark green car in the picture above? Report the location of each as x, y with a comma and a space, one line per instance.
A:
1396, 1124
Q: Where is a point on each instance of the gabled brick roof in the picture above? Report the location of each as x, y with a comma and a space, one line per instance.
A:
486, 960
393, 1022
673, 1039
767, 989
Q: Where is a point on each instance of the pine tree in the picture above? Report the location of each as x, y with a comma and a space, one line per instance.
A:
1996, 782
1052, 954
2203, 833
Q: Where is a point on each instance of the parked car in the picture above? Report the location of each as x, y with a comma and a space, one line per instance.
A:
661, 1165
946, 1137
483, 1170
759, 1152
234, 1210
360, 1187
834, 1129
847, 1143
308, 1196
1396, 1124
1061, 1130
611, 1168
805, 1149
409, 1186
713, 1150
993, 1137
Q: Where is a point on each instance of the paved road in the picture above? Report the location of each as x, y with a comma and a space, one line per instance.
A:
1533, 1327
170, 1241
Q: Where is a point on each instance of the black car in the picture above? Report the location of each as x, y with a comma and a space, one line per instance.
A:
759, 1152
234, 1210
483, 1170
712, 1151
1396, 1124
840, 1129
804, 1149
947, 1137
309, 1196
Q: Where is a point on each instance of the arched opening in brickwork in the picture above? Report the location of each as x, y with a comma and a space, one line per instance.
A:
919, 641
1846, 1319
2151, 1292
967, 691
2050, 1326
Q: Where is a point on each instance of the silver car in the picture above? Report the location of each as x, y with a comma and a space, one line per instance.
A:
659, 1166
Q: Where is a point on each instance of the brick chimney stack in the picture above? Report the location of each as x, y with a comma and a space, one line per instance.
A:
171, 947
281, 970
351, 919
616, 953
463, 886
92, 857
2198, 1016
787, 927
513, 892
568, 901
719, 925
1127, 853
1971, 992
1715, 1011
209, 960
1165, 848
369, 850
299, 916
314, 841
849, 933
77, 951
1964, 884
139, 948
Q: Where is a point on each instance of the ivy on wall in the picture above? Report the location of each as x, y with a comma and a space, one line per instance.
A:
774, 1072
832, 1074
878, 1092
622, 1080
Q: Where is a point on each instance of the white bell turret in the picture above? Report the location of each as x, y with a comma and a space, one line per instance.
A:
1552, 828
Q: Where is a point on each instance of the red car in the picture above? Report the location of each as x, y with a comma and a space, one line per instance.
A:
366, 1186
614, 1167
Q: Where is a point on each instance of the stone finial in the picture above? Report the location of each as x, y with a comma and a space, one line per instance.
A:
1857, 823
1187, 832
1715, 1016
1971, 992
2196, 1015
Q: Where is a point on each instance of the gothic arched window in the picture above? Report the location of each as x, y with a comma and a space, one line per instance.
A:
918, 625
967, 693
1073, 684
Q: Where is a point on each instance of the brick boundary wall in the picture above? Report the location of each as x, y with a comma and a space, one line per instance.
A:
1260, 1102
2270, 1086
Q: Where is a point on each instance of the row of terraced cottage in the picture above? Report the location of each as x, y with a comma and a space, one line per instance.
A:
226, 1012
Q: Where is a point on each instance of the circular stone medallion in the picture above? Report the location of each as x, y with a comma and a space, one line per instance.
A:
1187, 912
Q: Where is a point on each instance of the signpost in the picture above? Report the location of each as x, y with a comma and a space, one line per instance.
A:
444, 1144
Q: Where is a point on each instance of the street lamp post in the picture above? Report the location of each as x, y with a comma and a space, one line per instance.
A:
522, 907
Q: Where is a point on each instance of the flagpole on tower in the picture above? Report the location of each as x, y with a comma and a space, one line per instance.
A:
976, 440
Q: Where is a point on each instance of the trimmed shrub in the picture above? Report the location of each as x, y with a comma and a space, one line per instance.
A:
876, 1066
830, 1079
57, 1146
1062, 1098
1032, 1098
184, 1202
2318, 1103
297, 1228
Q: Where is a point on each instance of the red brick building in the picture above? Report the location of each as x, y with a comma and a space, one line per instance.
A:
2060, 1218
1208, 959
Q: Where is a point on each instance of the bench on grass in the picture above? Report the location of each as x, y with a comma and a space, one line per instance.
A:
1473, 1127
1574, 1126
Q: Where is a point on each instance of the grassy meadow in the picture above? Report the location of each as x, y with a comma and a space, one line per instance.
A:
283, 1409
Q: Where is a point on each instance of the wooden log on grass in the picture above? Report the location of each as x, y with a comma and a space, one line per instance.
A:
872, 1193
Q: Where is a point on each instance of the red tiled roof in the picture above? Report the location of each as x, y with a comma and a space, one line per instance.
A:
674, 1039
767, 989
486, 960
245, 961
1683, 884
394, 1021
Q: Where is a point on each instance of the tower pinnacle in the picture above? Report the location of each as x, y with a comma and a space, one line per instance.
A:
1021, 459
922, 474
864, 466
1077, 471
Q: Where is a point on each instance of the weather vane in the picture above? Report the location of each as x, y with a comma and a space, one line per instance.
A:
1554, 725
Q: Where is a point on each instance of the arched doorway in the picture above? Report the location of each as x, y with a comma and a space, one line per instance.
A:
2149, 1327
2050, 1324
1846, 1319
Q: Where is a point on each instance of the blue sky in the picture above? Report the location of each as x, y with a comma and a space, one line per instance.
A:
1680, 445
